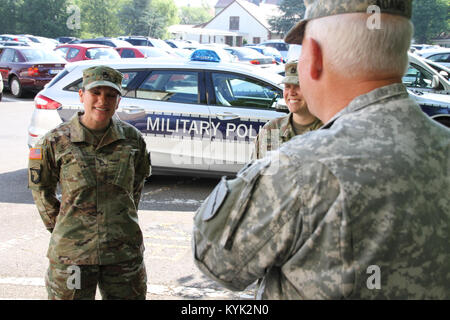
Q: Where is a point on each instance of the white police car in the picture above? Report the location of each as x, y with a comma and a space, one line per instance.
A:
196, 117
430, 89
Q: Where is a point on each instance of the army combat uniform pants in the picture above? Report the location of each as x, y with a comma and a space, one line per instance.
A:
126, 280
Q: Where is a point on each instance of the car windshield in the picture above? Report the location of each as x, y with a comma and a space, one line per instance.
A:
247, 53
258, 49
269, 51
153, 52
161, 44
41, 55
137, 42
33, 39
280, 46
102, 53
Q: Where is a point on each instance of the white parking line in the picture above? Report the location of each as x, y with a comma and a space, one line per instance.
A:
174, 201
34, 282
6, 245
9, 99
155, 289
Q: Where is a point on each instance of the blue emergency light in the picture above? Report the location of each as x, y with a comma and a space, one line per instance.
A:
205, 55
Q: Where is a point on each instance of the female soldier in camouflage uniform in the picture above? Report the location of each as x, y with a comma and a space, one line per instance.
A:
298, 121
101, 164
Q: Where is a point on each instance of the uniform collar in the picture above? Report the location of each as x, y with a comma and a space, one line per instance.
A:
287, 130
79, 133
365, 100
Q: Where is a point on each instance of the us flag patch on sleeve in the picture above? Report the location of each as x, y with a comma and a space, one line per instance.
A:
35, 154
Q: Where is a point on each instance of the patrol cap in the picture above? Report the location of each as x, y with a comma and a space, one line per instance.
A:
102, 76
324, 8
291, 75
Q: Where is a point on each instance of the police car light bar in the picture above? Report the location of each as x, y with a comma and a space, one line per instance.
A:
205, 55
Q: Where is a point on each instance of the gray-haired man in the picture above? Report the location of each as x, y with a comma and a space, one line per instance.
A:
358, 209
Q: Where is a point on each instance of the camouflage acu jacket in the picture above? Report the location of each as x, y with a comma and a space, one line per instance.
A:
358, 209
95, 222
275, 132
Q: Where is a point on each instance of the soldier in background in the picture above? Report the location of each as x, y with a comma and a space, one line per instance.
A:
358, 209
298, 121
101, 164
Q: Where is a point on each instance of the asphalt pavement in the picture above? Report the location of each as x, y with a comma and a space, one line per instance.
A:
166, 212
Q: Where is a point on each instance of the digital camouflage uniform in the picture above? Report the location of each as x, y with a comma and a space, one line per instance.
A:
95, 224
358, 209
280, 130
368, 189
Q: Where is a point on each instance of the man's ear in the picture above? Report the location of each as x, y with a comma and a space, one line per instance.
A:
316, 54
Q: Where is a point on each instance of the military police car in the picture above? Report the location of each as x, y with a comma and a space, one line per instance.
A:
196, 117
429, 88
202, 117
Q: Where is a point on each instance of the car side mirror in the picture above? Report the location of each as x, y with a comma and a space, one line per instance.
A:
435, 83
280, 105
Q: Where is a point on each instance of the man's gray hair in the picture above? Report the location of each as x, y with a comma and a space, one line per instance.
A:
353, 49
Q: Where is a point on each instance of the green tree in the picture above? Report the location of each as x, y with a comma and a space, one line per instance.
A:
195, 15
161, 14
46, 18
148, 17
133, 17
292, 12
9, 16
100, 18
430, 18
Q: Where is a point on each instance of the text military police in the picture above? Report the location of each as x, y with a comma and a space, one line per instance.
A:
298, 121
357, 209
101, 164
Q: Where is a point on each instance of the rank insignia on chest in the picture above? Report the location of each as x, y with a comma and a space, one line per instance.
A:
35, 154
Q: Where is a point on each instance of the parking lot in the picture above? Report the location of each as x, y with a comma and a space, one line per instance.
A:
198, 116
166, 211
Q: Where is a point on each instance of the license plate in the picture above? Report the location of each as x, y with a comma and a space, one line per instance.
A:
56, 71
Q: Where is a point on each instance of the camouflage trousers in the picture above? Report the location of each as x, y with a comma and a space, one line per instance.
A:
126, 280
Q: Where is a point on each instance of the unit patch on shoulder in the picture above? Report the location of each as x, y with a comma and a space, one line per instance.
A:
35, 154
36, 174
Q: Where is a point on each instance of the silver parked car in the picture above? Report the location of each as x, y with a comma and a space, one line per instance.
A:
429, 88
438, 55
197, 117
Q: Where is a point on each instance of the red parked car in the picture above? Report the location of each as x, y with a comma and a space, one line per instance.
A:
142, 52
86, 51
28, 68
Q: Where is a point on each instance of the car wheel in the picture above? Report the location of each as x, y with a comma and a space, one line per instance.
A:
16, 87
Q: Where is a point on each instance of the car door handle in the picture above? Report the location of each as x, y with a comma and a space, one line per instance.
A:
133, 109
227, 116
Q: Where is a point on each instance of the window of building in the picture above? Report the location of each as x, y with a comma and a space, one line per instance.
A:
234, 23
